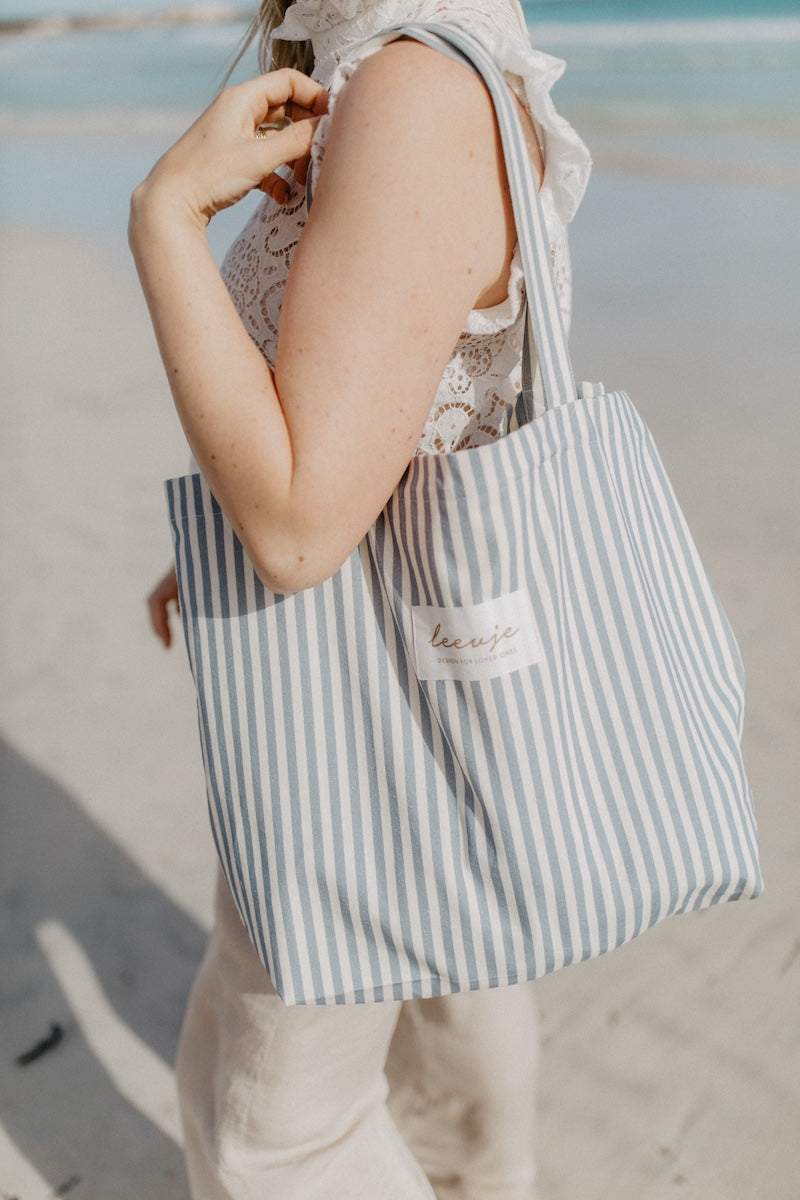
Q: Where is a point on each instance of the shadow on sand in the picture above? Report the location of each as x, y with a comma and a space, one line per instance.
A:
90, 943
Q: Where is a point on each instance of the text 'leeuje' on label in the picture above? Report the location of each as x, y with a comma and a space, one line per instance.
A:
475, 641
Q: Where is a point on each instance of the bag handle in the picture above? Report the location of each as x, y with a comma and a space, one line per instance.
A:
545, 335
544, 323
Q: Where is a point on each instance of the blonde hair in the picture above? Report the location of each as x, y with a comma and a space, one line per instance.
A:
273, 54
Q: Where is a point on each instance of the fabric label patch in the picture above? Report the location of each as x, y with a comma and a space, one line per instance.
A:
475, 641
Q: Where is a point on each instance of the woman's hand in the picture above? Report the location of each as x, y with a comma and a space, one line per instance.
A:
159, 604
227, 153
411, 229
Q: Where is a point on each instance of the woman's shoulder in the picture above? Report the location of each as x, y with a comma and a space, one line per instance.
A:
400, 77
411, 119
499, 26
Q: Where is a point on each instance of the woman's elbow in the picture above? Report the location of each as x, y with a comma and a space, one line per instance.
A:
290, 565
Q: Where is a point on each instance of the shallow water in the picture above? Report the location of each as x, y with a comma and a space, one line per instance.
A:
712, 87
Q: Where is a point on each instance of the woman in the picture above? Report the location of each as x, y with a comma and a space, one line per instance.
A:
302, 435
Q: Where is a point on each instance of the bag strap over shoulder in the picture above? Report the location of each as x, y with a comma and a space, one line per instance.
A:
545, 326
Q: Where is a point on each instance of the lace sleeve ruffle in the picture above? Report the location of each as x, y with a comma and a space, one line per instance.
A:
482, 321
532, 74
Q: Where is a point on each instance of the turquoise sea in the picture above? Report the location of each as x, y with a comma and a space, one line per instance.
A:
650, 86
152, 68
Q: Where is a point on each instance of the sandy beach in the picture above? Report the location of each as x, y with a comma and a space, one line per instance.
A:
669, 1069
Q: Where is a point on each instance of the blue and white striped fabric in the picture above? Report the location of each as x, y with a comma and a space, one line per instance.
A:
505, 736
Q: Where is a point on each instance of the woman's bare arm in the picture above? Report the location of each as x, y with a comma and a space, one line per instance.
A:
411, 228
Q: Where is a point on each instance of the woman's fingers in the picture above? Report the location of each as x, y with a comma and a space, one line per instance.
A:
277, 187
292, 144
228, 151
163, 595
298, 95
285, 114
300, 168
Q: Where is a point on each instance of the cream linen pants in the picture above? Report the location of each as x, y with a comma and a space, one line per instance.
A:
410, 1100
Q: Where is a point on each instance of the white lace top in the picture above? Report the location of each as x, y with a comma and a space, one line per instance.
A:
483, 376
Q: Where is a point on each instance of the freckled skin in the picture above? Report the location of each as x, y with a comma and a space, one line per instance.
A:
285, 441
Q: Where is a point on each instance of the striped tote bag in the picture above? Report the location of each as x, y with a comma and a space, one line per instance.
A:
505, 735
